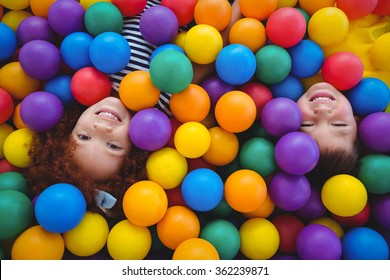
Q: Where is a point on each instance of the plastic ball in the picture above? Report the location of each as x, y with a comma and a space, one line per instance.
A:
34, 28
60, 87
171, 71
202, 189
130, 8
15, 5
344, 195
16, 147
216, 13
288, 227
378, 56
257, 154
66, 17
311, 6
89, 86
145, 203
318, 242
296, 153
14, 18
286, 27
166, 47
60, 207
301, 66
264, 211
342, 62
280, 116
103, 17
273, 64
37, 102
245, 190
235, 111
89, 236
323, 23
137, 91
287, 3
183, 9
382, 8
374, 131
381, 210
5, 130
17, 120
235, 64
291, 87
191, 104
258, 10
167, 167
355, 9
75, 50
357, 220
370, 95
8, 41
127, 241
330, 223
13, 71
195, 249
202, 43
259, 239
363, 243
314, 208
248, 32
373, 173
16, 213
192, 139
215, 88
13, 180
6, 106
260, 93
178, 224
151, 28
224, 147
289, 192
41, 7
36, 243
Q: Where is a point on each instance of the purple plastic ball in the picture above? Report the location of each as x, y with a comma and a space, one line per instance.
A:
158, 25
289, 192
314, 208
150, 129
41, 111
296, 153
374, 132
66, 17
215, 88
318, 242
280, 116
34, 28
40, 59
381, 210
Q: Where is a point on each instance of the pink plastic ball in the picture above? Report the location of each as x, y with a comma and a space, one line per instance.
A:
356, 9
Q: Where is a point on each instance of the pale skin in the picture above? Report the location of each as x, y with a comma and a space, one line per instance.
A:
328, 117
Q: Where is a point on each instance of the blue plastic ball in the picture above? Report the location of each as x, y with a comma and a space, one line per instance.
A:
202, 189
235, 64
8, 41
60, 87
370, 95
291, 88
60, 208
166, 47
75, 50
363, 243
109, 52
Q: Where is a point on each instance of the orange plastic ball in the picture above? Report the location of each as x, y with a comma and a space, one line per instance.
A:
178, 224
18, 122
249, 32
312, 6
260, 10
41, 7
137, 91
145, 203
245, 190
191, 104
195, 249
235, 111
265, 209
216, 13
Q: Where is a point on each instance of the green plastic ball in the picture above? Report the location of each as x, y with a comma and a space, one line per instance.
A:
103, 17
374, 173
13, 181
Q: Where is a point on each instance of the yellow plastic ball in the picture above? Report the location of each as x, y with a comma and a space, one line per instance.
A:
16, 147
41, 7
15, 4
36, 243
379, 54
167, 167
89, 236
180, 38
259, 239
328, 26
5, 130
286, 3
195, 249
127, 241
203, 43
264, 211
223, 148
87, 3
344, 195
145, 203
249, 32
330, 223
17, 119
312, 6
192, 139
13, 18
12, 72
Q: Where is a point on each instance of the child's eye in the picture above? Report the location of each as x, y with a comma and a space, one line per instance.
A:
306, 124
114, 147
83, 137
339, 124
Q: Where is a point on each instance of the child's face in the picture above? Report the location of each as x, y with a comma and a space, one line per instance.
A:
327, 116
102, 139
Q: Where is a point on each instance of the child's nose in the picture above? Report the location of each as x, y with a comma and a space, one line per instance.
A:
322, 110
102, 127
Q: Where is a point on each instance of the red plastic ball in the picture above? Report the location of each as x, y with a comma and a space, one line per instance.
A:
382, 8
356, 9
130, 8
89, 86
260, 94
6, 106
356, 220
343, 70
183, 9
288, 227
286, 27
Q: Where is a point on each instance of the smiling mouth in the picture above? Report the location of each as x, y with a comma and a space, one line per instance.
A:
109, 115
321, 97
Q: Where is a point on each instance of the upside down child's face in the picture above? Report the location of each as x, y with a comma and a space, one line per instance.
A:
102, 139
327, 116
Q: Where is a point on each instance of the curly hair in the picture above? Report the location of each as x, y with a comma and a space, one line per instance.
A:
51, 162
